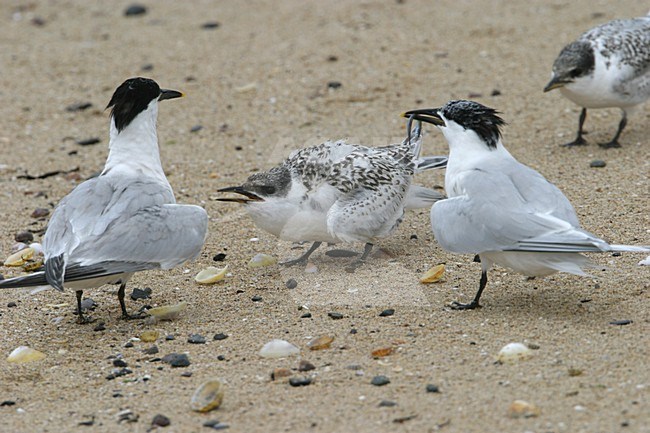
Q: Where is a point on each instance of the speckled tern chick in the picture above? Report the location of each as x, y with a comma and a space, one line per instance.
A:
126, 219
339, 192
500, 209
607, 66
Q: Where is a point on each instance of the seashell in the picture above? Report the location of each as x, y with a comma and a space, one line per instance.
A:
149, 336
19, 258
38, 248
432, 275
207, 396
261, 260
32, 266
278, 349
513, 352
167, 312
18, 246
23, 354
311, 268
523, 409
279, 373
320, 343
246, 88
211, 275
380, 353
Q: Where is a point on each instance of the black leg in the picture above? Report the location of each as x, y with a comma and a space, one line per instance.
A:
361, 260
81, 319
579, 141
125, 314
303, 259
614, 142
474, 304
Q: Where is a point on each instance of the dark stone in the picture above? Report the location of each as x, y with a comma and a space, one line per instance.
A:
256, 298
128, 344
196, 339
387, 313
170, 337
88, 422
196, 128
186, 374
335, 316
7, 403
160, 421
387, 403
88, 141
118, 373
141, 293
176, 360
99, 327
119, 363
597, 163
299, 381
215, 424
332, 58
40, 212
616, 254
334, 84
11, 304
210, 25
219, 257
495, 92
621, 322
24, 237
306, 316
221, 357
414, 236
353, 331
291, 283
79, 106
305, 366
134, 10
88, 304
220, 336
432, 388
147, 67
380, 380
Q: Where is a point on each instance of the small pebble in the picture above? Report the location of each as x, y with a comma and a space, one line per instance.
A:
119, 363
219, 257
291, 284
170, 337
256, 298
221, 358
621, 322
88, 304
160, 421
186, 374
387, 403
210, 25
118, 373
305, 366
216, 425
523, 409
79, 106
176, 360
128, 344
279, 373
101, 326
149, 336
299, 381
11, 304
414, 236
380, 380
88, 141
40, 212
220, 336
147, 67
334, 85
341, 253
196, 128
151, 351
387, 313
7, 403
305, 316
141, 293
597, 163
196, 339
25, 237
135, 9
432, 388
495, 92
335, 316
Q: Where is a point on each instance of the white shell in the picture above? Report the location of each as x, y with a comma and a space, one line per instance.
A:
261, 260
513, 352
211, 275
278, 349
207, 396
19, 258
22, 354
168, 312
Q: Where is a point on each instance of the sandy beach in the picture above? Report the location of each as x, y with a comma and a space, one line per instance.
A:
262, 79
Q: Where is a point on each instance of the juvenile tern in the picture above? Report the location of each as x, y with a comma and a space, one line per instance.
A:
126, 219
500, 209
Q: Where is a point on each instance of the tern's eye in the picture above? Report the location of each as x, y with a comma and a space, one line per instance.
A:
268, 190
576, 72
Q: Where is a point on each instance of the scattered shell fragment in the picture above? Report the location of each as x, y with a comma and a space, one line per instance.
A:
320, 343
278, 349
23, 354
20, 258
207, 396
149, 336
211, 275
380, 353
246, 88
279, 373
434, 274
167, 312
513, 352
523, 409
311, 268
260, 260
32, 266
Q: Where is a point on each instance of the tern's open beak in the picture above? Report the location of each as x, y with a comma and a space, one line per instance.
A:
429, 115
239, 190
555, 83
169, 94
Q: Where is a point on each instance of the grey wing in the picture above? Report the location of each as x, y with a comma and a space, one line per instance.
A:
158, 236
372, 201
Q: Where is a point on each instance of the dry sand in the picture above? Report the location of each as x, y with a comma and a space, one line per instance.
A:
258, 84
